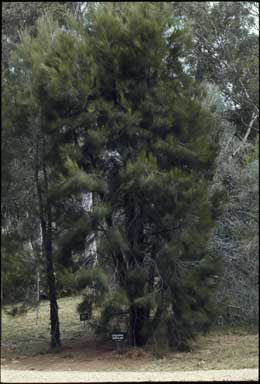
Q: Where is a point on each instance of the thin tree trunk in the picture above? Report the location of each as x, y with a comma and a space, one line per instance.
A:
34, 257
119, 260
90, 252
46, 225
135, 234
254, 117
2, 292
37, 295
138, 319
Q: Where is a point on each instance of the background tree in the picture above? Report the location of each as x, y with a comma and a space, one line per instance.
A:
20, 228
226, 52
235, 237
17, 16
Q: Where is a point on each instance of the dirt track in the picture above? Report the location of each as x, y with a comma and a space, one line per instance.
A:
20, 376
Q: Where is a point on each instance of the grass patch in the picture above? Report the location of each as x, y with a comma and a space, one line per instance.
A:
21, 334
28, 343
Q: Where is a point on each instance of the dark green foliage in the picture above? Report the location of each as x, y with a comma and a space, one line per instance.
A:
114, 314
66, 285
23, 15
161, 214
95, 285
17, 271
93, 278
121, 119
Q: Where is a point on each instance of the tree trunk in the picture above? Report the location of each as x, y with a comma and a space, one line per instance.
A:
134, 229
135, 234
90, 252
46, 226
138, 319
54, 317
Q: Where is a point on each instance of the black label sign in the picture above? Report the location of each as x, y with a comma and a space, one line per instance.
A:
119, 336
83, 316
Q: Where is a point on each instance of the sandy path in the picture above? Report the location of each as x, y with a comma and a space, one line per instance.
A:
20, 376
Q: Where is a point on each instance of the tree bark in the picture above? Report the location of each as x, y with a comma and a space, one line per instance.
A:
254, 117
90, 252
46, 226
138, 319
135, 234
119, 261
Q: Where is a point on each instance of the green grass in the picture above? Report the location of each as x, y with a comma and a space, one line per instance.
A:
223, 348
21, 334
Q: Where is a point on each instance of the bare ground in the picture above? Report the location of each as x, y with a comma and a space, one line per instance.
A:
25, 347
15, 376
87, 354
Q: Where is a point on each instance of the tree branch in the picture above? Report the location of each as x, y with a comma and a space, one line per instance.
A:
254, 117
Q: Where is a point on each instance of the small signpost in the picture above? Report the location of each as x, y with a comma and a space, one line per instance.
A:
120, 339
220, 321
233, 313
83, 317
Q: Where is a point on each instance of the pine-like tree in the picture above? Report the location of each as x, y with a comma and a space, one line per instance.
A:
159, 159
47, 99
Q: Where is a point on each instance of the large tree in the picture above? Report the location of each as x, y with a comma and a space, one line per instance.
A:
24, 118
159, 156
18, 194
23, 164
